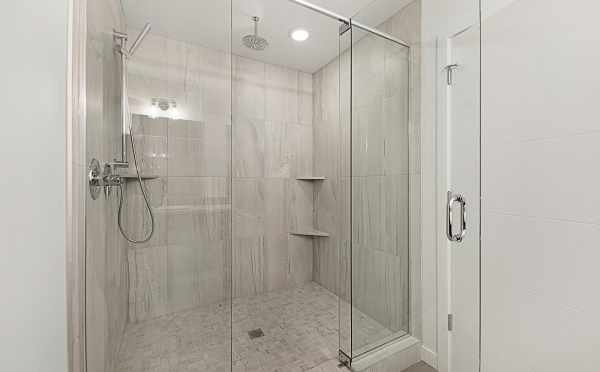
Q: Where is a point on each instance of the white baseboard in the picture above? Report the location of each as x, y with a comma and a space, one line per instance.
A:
429, 356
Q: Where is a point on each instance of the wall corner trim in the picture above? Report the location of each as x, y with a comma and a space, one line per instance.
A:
429, 356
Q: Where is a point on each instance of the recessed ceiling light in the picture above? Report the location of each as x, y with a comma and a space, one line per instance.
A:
299, 34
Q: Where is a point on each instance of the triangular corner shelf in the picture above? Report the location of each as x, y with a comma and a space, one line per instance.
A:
310, 233
310, 178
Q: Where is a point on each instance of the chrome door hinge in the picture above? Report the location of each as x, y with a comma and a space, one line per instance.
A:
344, 359
449, 72
450, 322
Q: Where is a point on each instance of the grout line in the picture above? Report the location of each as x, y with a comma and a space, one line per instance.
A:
542, 218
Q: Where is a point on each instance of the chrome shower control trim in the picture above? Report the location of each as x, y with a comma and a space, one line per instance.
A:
102, 178
95, 178
110, 178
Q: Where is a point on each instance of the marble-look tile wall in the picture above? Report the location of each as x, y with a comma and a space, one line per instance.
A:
385, 193
186, 263
406, 25
272, 145
189, 261
106, 252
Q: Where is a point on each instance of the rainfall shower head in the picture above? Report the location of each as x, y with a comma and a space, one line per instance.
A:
255, 42
139, 39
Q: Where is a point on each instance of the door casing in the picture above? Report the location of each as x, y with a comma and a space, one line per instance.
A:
459, 349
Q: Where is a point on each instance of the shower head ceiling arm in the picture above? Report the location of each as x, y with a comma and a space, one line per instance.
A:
254, 41
255, 19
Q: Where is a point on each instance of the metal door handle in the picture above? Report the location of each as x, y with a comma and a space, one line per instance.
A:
452, 199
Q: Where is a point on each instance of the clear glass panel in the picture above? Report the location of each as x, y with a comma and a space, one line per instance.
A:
385, 173
156, 304
344, 217
286, 183
107, 287
279, 182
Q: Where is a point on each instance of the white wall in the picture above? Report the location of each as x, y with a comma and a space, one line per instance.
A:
541, 180
540, 220
32, 190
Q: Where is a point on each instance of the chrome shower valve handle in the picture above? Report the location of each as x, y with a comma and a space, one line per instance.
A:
102, 178
95, 178
110, 178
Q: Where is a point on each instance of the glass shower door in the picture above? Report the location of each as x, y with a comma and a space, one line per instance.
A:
165, 303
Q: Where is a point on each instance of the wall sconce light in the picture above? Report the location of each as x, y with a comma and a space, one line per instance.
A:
164, 103
164, 107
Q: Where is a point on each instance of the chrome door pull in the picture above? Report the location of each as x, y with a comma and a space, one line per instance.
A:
452, 199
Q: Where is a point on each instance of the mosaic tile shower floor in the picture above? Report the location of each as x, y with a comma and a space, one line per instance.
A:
300, 327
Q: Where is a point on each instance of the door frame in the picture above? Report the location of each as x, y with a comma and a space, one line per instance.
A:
443, 59
76, 183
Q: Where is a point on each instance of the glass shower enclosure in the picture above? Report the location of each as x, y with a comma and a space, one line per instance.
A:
380, 150
284, 192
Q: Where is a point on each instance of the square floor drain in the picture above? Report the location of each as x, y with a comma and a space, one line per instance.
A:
256, 333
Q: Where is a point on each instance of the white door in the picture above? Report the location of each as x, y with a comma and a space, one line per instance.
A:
463, 179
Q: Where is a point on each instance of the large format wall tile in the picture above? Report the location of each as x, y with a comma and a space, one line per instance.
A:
300, 265
198, 149
136, 219
540, 221
196, 78
277, 152
265, 210
300, 198
191, 208
148, 282
268, 144
395, 128
249, 94
248, 266
193, 157
305, 99
272, 144
248, 142
281, 89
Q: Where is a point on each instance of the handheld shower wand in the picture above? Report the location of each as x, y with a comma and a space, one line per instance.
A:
128, 130
125, 55
139, 39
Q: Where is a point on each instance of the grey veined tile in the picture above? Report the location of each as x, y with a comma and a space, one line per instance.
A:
277, 152
281, 89
148, 283
248, 147
198, 149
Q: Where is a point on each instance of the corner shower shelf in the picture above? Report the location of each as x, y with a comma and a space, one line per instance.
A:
132, 176
187, 209
311, 178
310, 233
